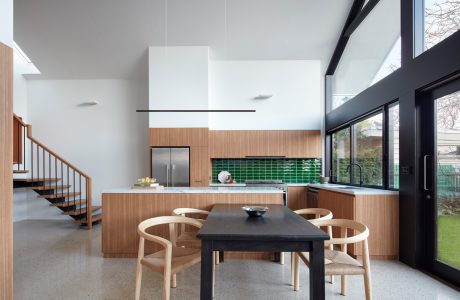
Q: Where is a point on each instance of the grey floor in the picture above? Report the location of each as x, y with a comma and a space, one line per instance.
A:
56, 260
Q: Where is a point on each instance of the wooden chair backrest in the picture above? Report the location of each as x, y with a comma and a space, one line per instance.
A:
172, 221
361, 229
184, 211
320, 213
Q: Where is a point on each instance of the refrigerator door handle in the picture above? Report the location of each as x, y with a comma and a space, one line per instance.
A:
167, 175
172, 174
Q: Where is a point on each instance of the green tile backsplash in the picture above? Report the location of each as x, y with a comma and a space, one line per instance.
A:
295, 170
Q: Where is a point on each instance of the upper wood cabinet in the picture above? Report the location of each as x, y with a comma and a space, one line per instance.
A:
241, 143
179, 137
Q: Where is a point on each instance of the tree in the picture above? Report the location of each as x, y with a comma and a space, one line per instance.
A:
442, 19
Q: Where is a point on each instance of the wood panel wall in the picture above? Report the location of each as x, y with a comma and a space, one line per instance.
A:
6, 172
121, 214
241, 143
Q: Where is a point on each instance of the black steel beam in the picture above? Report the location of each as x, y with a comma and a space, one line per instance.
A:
343, 40
360, 17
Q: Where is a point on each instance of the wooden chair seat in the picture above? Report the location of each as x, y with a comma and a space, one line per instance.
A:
337, 263
182, 258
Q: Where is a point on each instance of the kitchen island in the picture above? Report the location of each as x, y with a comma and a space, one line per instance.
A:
124, 209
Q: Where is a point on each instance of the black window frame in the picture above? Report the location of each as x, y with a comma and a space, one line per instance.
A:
387, 144
385, 147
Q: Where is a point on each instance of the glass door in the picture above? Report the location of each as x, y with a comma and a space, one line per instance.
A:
440, 182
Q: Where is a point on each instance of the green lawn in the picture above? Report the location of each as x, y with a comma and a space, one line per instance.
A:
449, 240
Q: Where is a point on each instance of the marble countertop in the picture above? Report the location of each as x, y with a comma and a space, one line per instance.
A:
244, 184
352, 190
197, 190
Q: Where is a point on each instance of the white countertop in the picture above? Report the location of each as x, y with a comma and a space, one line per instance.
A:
354, 191
197, 190
244, 184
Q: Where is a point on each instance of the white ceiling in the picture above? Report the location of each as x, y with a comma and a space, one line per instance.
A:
81, 39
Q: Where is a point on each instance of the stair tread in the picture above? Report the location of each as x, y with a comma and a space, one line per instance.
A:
82, 211
49, 187
69, 203
58, 195
36, 179
95, 218
20, 171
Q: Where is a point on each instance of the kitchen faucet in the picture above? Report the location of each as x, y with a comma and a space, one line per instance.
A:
360, 172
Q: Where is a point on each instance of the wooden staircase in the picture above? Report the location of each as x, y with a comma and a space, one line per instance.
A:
52, 177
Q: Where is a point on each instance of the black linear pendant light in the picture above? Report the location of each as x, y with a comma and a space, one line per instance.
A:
196, 110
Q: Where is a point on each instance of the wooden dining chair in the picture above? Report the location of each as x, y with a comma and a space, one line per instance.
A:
338, 262
171, 259
317, 214
188, 238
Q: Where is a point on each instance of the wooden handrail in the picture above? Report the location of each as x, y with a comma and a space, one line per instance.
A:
88, 185
19, 119
29, 135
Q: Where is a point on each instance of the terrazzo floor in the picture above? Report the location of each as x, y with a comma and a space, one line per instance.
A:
57, 260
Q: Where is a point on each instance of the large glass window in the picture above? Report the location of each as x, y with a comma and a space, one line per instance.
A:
372, 52
341, 155
441, 19
393, 146
357, 153
368, 151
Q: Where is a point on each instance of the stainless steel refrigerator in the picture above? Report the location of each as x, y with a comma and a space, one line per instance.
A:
170, 166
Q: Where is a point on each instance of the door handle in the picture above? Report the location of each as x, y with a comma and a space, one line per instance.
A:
167, 175
172, 174
425, 173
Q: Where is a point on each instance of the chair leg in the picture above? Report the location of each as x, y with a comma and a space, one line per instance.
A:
216, 255
296, 272
344, 286
332, 279
138, 281
367, 285
173, 281
282, 258
167, 281
367, 271
292, 268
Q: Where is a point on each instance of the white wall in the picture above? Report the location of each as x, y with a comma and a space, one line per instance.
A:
6, 22
178, 79
295, 86
108, 141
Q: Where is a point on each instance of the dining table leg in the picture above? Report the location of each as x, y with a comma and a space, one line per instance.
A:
317, 289
206, 270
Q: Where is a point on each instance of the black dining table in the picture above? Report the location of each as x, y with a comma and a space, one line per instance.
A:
229, 228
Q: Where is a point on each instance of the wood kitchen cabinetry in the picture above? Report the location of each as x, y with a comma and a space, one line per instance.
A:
241, 143
196, 139
297, 197
179, 137
380, 213
199, 166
